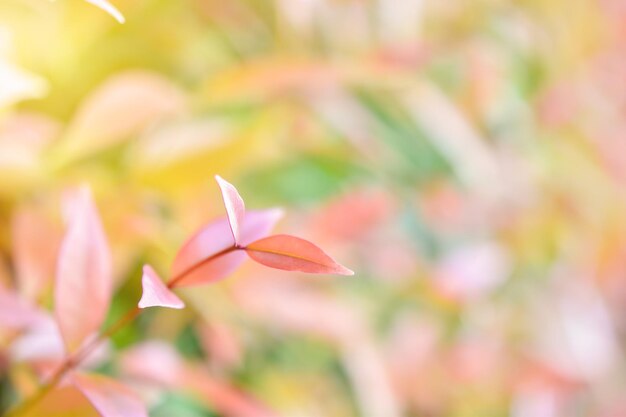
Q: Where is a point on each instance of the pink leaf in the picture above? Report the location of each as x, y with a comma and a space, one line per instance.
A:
155, 362
235, 208
294, 254
83, 282
155, 293
471, 272
225, 398
214, 238
109, 8
109, 397
16, 313
159, 364
35, 250
41, 343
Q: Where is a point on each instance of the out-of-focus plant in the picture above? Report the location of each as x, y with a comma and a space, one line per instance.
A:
467, 157
82, 292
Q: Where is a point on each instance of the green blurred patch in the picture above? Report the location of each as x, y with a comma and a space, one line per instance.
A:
304, 179
188, 343
173, 404
419, 160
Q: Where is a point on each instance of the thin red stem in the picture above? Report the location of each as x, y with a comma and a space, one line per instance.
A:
80, 355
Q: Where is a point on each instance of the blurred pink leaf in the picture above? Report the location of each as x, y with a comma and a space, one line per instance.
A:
153, 361
235, 208
214, 238
109, 8
41, 343
291, 253
227, 399
297, 308
470, 272
158, 363
84, 278
16, 313
365, 365
109, 397
354, 214
123, 106
574, 332
155, 293
35, 247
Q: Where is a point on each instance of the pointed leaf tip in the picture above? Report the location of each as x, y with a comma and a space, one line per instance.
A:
235, 208
292, 253
155, 293
109, 8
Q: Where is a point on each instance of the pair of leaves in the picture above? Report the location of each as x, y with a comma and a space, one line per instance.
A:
285, 252
217, 250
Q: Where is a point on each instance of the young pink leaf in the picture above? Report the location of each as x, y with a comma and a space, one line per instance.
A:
155, 293
109, 8
235, 208
214, 238
109, 397
35, 247
83, 280
294, 254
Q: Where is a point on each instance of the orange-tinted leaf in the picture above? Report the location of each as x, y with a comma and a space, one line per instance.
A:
84, 278
294, 254
63, 402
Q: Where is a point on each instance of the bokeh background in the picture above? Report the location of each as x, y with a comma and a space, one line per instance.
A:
466, 158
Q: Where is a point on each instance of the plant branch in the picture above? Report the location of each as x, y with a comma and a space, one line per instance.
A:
80, 355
